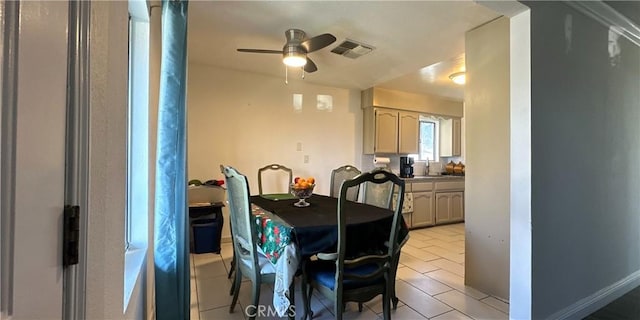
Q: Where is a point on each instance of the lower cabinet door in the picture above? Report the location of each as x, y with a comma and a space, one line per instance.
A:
443, 207
457, 206
449, 207
422, 209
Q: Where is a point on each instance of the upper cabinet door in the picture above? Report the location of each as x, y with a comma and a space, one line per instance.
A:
386, 131
450, 137
457, 139
446, 137
408, 133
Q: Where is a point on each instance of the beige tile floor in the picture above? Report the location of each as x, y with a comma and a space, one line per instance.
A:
430, 284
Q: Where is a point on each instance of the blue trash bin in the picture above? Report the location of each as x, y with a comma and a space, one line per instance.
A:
205, 236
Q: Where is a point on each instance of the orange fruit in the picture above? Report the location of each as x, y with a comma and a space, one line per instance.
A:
311, 180
304, 185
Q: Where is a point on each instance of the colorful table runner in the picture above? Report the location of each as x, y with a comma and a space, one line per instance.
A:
274, 238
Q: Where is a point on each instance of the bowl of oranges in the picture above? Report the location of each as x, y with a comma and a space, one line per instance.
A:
302, 189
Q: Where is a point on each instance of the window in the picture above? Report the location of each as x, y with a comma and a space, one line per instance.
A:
429, 139
127, 215
428, 146
137, 212
137, 207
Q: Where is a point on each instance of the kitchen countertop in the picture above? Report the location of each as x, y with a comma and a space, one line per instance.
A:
439, 178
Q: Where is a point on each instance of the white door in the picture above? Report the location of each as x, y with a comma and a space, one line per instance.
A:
36, 274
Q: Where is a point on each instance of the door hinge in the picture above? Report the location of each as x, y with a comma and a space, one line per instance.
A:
71, 235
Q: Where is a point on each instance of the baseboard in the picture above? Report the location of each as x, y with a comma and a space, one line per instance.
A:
599, 299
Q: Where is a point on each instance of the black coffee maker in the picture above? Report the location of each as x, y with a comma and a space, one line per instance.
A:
406, 167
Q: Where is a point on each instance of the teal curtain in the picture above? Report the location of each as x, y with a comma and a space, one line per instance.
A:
171, 240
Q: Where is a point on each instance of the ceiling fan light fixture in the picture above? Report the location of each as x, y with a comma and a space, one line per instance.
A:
295, 50
295, 60
458, 78
294, 57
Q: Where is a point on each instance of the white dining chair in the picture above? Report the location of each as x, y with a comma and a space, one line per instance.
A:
279, 179
341, 174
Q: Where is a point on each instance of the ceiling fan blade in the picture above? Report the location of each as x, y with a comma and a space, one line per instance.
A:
260, 51
318, 42
310, 66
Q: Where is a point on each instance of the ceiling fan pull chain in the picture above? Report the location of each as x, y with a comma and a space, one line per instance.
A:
286, 75
302, 72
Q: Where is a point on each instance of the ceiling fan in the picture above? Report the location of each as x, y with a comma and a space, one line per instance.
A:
295, 50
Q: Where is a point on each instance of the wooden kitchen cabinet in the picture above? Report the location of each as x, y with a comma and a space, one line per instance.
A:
386, 128
457, 206
422, 209
456, 144
433, 201
449, 207
423, 205
390, 131
408, 132
451, 137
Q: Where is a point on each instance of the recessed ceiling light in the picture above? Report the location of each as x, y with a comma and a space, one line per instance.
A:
458, 77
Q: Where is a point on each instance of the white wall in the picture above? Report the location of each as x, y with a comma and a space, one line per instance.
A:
35, 131
520, 163
247, 121
487, 174
107, 177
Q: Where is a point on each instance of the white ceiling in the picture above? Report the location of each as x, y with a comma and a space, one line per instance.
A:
417, 43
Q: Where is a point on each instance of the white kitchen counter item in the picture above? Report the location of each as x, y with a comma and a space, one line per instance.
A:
381, 162
435, 168
420, 168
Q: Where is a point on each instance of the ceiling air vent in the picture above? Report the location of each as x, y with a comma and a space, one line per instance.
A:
352, 49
